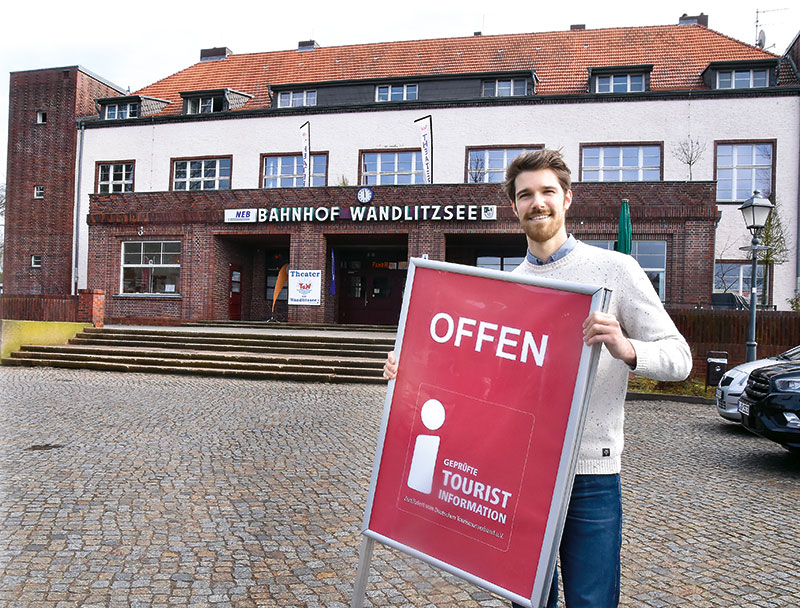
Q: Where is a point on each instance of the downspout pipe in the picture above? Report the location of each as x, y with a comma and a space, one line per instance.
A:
77, 228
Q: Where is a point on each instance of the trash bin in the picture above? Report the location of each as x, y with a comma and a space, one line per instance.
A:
716, 366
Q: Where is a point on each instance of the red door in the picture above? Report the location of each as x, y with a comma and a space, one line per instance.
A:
235, 293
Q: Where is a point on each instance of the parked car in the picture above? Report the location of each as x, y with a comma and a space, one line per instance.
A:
731, 385
770, 404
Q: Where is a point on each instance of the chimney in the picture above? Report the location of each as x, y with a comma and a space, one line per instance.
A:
476, 34
700, 19
214, 54
577, 26
307, 45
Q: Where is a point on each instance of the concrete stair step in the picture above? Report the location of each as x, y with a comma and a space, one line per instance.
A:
121, 366
279, 325
236, 346
211, 354
245, 337
320, 368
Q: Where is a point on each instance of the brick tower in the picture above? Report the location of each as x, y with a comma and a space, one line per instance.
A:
44, 109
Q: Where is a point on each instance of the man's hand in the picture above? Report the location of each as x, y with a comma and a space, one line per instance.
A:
390, 367
603, 328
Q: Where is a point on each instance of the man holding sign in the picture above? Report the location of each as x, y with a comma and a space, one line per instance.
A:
638, 335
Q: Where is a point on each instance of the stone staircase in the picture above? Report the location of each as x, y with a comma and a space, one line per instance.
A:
240, 350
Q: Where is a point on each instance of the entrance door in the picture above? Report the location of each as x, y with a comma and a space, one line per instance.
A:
235, 293
370, 286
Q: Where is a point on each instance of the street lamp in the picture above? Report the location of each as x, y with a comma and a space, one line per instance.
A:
755, 210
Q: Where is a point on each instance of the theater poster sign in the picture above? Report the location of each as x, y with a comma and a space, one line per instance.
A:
480, 430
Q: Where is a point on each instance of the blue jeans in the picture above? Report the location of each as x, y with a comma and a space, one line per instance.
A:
590, 545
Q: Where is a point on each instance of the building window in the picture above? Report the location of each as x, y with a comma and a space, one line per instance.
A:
509, 87
41, 117
121, 111
497, 262
287, 171
36, 260
151, 267
488, 165
621, 164
396, 92
620, 83
294, 99
736, 277
38, 192
652, 257
742, 79
202, 174
743, 168
204, 105
115, 177
276, 259
382, 168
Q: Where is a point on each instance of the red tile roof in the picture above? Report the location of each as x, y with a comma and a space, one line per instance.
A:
678, 53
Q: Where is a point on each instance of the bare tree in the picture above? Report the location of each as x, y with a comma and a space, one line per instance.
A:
476, 170
689, 152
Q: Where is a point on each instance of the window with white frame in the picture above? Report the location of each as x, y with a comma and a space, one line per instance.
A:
736, 277
743, 168
619, 83
381, 168
41, 117
294, 99
151, 267
115, 177
652, 257
742, 79
287, 171
121, 111
621, 163
204, 105
498, 262
36, 260
505, 87
488, 165
202, 174
38, 192
396, 92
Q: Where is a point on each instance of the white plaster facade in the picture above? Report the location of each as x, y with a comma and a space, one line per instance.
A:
565, 126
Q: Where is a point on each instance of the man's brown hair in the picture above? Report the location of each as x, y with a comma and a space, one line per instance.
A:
535, 161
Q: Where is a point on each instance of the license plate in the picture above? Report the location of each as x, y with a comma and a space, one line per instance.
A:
744, 408
718, 393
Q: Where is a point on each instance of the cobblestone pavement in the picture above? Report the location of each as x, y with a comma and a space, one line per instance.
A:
126, 490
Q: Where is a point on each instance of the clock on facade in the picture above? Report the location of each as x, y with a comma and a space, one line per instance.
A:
365, 195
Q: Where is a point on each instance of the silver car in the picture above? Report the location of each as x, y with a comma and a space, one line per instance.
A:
732, 383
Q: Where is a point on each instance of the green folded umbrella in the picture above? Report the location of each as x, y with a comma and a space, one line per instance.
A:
625, 234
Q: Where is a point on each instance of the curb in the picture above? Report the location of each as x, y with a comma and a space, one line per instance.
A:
664, 397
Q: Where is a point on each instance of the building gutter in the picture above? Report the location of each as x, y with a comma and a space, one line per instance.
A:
76, 233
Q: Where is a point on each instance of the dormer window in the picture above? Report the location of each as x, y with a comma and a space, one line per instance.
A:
121, 111
609, 80
396, 92
129, 106
505, 87
747, 74
742, 79
204, 105
295, 99
217, 100
620, 83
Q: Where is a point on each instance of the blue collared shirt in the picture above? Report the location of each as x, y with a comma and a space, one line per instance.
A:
562, 251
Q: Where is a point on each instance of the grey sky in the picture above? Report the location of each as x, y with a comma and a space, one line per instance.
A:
135, 44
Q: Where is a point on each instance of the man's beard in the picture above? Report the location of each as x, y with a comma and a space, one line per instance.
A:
542, 231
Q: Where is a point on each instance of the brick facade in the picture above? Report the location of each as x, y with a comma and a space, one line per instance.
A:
42, 152
680, 213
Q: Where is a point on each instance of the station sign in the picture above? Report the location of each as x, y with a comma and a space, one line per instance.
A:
380, 213
481, 427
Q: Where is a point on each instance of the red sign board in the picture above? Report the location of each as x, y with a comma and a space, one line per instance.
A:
477, 446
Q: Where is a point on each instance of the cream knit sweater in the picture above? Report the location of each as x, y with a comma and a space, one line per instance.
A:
661, 352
